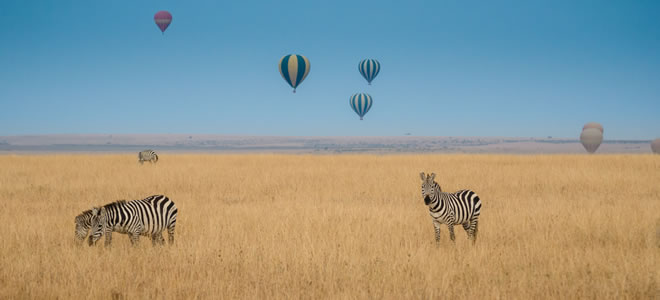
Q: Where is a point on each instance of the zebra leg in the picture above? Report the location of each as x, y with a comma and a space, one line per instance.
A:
436, 225
466, 227
170, 233
157, 239
474, 229
135, 238
451, 232
108, 238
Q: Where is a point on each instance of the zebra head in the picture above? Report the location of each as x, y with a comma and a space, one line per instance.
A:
98, 224
83, 224
429, 187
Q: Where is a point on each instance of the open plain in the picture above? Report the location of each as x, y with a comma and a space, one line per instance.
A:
336, 226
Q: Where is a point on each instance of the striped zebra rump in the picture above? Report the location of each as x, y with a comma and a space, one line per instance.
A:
158, 213
467, 205
147, 155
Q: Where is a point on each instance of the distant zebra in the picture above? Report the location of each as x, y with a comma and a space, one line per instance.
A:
147, 155
149, 217
462, 207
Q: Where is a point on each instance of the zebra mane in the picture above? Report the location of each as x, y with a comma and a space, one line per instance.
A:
115, 204
435, 184
84, 214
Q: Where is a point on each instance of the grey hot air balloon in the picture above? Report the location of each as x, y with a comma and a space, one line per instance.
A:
655, 146
593, 125
591, 139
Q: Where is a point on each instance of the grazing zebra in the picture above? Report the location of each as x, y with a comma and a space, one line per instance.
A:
147, 155
83, 224
149, 217
462, 207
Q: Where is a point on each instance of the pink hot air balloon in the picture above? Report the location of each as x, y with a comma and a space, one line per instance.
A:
655, 147
593, 125
163, 19
591, 139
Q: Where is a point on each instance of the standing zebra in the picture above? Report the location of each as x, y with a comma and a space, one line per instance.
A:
147, 155
462, 207
149, 217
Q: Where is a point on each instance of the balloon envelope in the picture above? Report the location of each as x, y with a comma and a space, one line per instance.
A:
369, 68
361, 103
294, 69
593, 125
655, 146
163, 19
591, 139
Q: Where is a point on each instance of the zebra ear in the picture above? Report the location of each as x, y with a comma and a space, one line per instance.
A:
423, 176
432, 176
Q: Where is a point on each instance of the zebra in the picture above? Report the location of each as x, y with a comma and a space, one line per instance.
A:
147, 155
462, 207
83, 223
149, 217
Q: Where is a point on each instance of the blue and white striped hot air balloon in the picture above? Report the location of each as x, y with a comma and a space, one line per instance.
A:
294, 68
369, 68
361, 103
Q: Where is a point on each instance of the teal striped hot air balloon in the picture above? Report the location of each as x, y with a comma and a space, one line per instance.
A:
294, 68
361, 103
369, 68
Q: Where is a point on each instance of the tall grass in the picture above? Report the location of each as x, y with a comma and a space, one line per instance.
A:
347, 226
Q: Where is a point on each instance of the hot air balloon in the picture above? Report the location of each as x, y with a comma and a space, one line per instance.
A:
294, 69
591, 139
655, 146
163, 19
361, 103
369, 68
593, 125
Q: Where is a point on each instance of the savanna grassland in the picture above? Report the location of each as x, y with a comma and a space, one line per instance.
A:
343, 226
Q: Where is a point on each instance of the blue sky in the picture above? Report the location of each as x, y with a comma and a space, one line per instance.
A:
449, 68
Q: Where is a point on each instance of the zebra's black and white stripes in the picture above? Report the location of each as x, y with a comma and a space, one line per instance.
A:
462, 207
149, 217
147, 155
83, 224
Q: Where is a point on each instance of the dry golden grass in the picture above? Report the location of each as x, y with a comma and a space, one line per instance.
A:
348, 226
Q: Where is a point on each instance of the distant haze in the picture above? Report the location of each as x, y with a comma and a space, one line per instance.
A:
232, 144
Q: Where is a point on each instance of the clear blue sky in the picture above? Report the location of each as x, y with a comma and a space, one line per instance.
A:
449, 68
